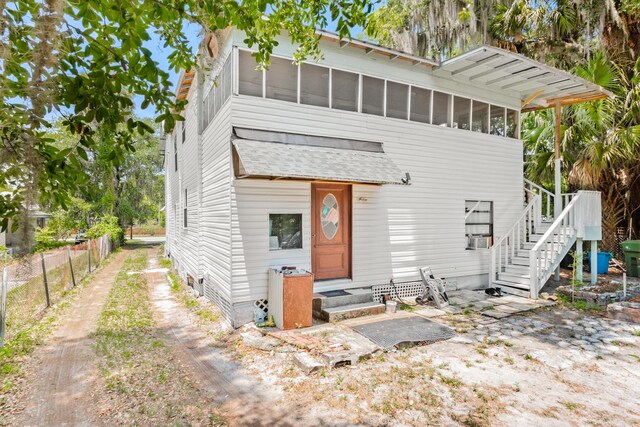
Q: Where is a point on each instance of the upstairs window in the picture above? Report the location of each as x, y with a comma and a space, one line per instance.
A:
184, 132
441, 109
512, 123
344, 90
480, 117
420, 105
282, 80
397, 100
184, 211
372, 95
496, 120
314, 85
175, 152
461, 113
250, 77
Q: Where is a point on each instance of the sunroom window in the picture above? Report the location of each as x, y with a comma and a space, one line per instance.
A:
496, 123
372, 95
282, 80
397, 100
344, 90
461, 112
480, 117
512, 123
314, 85
250, 77
441, 109
420, 105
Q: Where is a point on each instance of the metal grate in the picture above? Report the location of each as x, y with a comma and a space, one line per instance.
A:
390, 333
404, 290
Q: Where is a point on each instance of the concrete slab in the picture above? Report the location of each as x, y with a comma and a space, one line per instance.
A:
495, 314
430, 312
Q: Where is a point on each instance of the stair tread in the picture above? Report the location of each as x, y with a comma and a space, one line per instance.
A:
512, 284
350, 307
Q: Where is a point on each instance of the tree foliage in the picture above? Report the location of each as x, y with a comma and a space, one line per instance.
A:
85, 60
598, 40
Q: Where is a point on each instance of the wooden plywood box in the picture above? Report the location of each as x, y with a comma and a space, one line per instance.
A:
290, 299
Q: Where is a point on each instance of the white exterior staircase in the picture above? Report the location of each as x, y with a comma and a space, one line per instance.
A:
530, 252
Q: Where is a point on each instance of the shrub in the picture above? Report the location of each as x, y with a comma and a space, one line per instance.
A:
108, 224
46, 239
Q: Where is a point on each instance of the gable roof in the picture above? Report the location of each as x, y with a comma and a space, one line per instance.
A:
538, 85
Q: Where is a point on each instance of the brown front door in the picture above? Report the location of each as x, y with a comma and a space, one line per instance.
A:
331, 231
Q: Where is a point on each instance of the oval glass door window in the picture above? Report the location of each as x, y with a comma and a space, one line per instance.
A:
329, 216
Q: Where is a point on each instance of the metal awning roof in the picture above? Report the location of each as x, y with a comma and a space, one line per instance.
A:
538, 85
265, 159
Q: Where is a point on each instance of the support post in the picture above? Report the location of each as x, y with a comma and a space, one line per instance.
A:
89, 253
46, 283
73, 276
557, 205
3, 304
594, 262
578, 260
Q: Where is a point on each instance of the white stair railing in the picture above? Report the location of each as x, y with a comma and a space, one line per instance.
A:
513, 240
547, 253
548, 198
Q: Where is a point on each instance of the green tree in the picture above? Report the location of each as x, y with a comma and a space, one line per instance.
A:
86, 60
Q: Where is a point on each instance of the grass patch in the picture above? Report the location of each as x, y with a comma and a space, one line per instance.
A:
142, 376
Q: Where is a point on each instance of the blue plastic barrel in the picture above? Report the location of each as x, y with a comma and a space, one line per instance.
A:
603, 261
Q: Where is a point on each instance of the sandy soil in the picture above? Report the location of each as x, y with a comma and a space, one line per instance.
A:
61, 375
244, 399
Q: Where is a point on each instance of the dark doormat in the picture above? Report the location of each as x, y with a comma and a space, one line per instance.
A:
415, 329
338, 293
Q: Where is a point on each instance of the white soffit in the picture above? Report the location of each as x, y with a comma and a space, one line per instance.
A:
537, 85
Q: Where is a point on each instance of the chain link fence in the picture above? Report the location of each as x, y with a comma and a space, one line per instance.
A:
34, 282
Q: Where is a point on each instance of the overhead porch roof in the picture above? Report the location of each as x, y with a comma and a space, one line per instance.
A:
537, 85
303, 157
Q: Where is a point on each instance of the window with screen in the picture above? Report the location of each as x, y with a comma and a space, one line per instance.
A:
397, 100
250, 78
461, 113
480, 117
282, 80
314, 85
496, 120
372, 95
285, 231
184, 132
512, 123
441, 109
344, 90
420, 105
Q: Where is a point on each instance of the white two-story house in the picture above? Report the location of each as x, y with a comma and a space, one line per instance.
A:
361, 168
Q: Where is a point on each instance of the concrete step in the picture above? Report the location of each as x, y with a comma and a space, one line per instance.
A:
516, 278
512, 288
356, 296
350, 311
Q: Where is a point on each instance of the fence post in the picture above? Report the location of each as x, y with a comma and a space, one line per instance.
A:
73, 276
46, 284
3, 304
89, 253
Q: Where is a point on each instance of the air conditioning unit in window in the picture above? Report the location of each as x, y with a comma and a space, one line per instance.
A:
479, 242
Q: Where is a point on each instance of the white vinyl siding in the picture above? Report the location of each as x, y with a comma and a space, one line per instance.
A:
396, 229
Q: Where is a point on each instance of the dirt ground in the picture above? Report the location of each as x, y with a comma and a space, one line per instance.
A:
552, 366
61, 375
